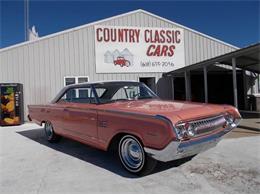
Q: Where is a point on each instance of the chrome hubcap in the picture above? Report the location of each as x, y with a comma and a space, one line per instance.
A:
131, 153
48, 129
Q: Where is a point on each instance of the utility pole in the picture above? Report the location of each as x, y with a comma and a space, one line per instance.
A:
26, 20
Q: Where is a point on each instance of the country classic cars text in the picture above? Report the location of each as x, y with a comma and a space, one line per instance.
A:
160, 42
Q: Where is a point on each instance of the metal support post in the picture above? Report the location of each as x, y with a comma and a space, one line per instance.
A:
205, 84
234, 81
172, 78
187, 85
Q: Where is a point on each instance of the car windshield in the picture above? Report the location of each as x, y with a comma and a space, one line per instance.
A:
123, 91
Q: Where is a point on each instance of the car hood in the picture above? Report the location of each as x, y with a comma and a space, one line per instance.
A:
174, 110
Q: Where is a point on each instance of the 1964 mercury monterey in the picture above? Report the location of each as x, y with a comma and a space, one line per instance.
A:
131, 117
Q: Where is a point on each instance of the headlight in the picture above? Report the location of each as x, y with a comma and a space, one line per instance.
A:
190, 129
229, 119
185, 130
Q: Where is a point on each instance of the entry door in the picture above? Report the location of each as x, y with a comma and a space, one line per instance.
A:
149, 81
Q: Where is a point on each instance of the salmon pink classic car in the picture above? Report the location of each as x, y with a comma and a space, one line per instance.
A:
130, 117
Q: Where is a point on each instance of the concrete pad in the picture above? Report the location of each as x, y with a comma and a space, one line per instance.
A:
250, 123
29, 164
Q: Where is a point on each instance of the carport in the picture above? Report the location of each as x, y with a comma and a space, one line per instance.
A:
245, 60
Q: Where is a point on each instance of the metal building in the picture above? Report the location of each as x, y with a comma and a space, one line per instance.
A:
45, 65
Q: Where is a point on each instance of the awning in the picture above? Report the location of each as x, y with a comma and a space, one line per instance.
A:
247, 58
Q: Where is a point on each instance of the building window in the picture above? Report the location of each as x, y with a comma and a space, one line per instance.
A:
77, 93
82, 79
69, 80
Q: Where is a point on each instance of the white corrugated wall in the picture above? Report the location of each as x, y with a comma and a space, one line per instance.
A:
42, 65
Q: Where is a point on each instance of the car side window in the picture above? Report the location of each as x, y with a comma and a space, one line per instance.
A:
100, 91
79, 95
120, 94
127, 92
132, 91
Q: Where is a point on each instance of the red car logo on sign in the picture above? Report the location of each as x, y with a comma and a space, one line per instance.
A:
121, 61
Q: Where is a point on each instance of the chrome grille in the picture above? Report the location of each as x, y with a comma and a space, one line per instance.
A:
205, 125
208, 124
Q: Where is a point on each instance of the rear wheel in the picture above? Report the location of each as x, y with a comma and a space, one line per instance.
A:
50, 134
133, 157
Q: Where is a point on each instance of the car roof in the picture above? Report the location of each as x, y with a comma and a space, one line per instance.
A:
100, 82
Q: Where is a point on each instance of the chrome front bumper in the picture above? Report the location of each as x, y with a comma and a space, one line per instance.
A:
178, 149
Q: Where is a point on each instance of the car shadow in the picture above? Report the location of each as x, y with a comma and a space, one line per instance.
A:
106, 160
257, 129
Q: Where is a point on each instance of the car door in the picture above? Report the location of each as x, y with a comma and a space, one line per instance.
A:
55, 113
79, 114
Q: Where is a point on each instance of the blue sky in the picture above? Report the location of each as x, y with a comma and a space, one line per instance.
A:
235, 22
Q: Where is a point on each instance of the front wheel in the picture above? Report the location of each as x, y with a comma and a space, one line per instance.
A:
133, 157
50, 134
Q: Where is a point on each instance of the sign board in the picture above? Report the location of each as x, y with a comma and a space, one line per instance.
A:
138, 49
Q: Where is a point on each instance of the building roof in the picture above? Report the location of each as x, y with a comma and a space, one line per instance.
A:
247, 58
114, 17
